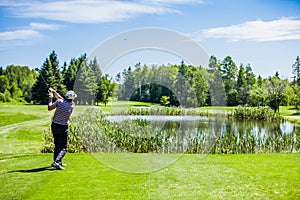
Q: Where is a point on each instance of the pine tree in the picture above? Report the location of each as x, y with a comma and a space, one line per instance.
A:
296, 71
50, 75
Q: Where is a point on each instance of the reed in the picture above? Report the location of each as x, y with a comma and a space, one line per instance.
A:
92, 132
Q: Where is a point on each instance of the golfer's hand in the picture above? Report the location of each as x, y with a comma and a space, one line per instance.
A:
50, 95
51, 90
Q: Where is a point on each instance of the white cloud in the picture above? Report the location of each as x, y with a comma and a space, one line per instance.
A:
32, 31
19, 35
43, 26
88, 11
276, 30
170, 2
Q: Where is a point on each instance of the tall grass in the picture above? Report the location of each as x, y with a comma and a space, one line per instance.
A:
258, 113
159, 110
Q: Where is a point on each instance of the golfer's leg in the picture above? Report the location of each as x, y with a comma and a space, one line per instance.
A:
63, 145
55, 132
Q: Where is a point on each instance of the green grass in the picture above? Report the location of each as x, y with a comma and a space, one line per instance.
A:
289, 111
25, 173
254, 176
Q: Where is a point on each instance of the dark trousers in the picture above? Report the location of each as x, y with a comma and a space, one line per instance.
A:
60, 135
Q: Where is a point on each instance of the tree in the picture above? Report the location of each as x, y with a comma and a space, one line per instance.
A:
86, 84
229, 75
72, 71
20, 81
276, 89
249, 76
50, 75
4, 83
105, 89
241, 80
296, 83
183, 87
165, 100
296, 71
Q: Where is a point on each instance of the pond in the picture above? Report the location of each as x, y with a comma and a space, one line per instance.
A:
154, 142
197, 134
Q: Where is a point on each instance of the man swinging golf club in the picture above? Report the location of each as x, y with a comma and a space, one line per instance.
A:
60, 123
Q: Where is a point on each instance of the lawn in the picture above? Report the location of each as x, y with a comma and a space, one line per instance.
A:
25, 173
256, 176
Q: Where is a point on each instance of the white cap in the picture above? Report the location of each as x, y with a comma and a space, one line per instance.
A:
71, 95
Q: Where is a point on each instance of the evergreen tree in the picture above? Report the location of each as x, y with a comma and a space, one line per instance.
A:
50, 75
241, 80
296, 71
229, 75
72, 71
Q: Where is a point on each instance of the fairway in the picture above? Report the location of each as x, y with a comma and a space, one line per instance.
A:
26, 173
257, 176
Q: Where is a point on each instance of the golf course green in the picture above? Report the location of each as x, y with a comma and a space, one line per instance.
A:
26, 173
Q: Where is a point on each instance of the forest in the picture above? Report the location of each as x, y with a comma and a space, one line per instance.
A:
223, 83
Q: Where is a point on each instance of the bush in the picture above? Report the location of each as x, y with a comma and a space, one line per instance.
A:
257, 113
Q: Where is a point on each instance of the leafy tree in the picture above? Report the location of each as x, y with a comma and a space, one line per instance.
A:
21, 80
258, 94
104, 90
4, 83
276, 91
165, 100
183, 87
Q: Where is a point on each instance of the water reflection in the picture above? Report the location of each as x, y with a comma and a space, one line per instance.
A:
195, 134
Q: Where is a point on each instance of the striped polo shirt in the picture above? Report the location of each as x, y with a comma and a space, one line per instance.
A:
63, 111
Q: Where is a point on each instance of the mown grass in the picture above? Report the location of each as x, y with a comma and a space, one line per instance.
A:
255, 176
25, 173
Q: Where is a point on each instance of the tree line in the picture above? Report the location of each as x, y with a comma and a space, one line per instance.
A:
222, 83
19, 83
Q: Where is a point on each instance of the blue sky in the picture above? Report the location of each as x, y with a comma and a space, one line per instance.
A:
262, 33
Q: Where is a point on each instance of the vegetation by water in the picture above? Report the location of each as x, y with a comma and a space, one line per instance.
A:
257, 113
92, 132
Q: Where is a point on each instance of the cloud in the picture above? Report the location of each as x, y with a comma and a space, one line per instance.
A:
32, 31
170, 2
88, 11
43, 26
261, 31
19, 35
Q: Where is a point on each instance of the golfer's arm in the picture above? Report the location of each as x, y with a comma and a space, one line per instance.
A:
57, 95
50, 104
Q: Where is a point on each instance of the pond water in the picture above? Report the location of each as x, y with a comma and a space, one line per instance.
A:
188, 122
197, 134
154, 142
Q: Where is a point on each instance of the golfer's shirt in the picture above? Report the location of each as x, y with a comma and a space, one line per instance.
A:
63, 111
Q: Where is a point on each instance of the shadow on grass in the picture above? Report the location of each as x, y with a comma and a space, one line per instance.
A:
33, 170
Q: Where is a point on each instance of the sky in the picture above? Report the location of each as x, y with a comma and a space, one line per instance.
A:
262, 33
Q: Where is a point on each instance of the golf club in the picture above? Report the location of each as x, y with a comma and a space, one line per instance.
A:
38, 70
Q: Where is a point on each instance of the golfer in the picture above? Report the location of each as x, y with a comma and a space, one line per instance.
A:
60, 123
